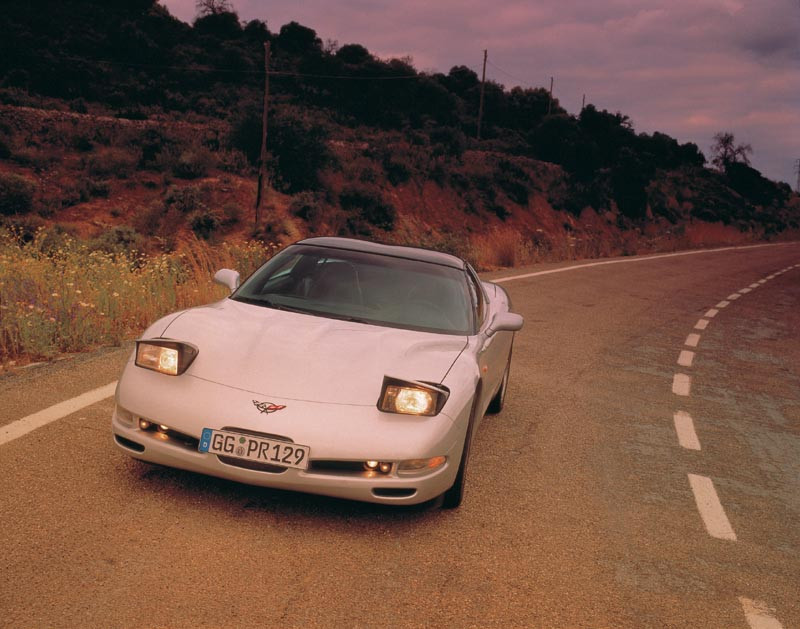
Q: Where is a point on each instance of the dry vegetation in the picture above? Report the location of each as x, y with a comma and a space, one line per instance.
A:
59, 295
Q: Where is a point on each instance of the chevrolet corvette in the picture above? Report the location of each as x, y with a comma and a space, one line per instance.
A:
340, 367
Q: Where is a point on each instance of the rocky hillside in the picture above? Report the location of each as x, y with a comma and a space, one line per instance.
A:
133, 129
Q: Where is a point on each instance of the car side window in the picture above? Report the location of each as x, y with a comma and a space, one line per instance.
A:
478, 299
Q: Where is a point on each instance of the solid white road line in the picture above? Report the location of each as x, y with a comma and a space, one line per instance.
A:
633, 259
685, 358
702, 324
681, 384
722, 304
684, 426
758, 615
27, 424
711, 313
692, 340
710, 508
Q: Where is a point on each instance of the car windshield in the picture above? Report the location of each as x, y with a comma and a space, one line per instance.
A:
363, 287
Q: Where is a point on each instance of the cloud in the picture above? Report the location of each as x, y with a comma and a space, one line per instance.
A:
689, 68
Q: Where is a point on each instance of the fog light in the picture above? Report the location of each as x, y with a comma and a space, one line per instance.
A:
412, 466
163, 428
384, 467
371, 465
144, 424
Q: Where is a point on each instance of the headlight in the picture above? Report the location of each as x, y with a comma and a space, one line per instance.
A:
411, 397
165, 356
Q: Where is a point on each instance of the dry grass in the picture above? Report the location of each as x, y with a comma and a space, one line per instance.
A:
57, 295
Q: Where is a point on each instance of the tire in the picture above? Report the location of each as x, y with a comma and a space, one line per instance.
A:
499, 400
453, 497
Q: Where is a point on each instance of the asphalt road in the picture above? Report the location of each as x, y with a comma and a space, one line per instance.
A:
579, 509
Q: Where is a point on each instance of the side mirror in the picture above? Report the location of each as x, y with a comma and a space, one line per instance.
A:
228, 278
507, 321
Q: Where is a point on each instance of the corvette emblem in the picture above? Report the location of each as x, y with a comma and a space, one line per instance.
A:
268, 407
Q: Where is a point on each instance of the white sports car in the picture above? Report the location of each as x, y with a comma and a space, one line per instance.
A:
340, 367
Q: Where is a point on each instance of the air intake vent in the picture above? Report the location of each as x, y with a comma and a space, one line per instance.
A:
384, 492
252, 465
127, 443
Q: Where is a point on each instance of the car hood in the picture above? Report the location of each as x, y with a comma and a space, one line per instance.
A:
286, 355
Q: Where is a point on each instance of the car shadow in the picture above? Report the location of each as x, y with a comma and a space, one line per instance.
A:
240, 499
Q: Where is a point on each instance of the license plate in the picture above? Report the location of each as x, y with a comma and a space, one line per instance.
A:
252, 448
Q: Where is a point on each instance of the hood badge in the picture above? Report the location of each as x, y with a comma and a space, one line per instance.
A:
268, 407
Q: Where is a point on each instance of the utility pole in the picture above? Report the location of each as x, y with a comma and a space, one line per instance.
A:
483, 85
550, 99
262, 161
797, 170
583, 103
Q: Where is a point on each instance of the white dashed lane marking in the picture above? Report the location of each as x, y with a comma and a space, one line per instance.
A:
711, 313
702, 324
23, 426
692, 340
758, 615
710, 508
685, 358
744, 291
681, 384
733, 296
722, 304
684, 427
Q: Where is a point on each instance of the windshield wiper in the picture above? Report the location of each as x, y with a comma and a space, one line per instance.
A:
317, 313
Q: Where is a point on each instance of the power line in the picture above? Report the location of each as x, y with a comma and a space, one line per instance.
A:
509, 75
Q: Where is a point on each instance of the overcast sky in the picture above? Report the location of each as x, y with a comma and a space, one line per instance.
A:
688, 68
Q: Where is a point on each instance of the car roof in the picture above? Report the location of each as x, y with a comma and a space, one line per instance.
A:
396, 251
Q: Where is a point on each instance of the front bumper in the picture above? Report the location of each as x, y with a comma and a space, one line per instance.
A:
334, 433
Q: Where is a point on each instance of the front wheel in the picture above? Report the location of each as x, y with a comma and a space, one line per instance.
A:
499, 400
453, 497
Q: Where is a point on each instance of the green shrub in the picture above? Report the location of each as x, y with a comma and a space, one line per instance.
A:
193, 163
204, 223
233, 161
78, 105
5, 146
185, 199
231, 214
111, 161
121, 239
367, 209
397, 170
34, 157
16, 194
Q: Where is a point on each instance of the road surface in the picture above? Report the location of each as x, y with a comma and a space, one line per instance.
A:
645, 473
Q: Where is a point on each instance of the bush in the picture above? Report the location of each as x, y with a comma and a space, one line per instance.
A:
514, 181
204, 223
397, 171
34, 157
367, 209
298, 148
111, 161
185, 199
233, 161
16, 194
121, 239
5, 146
193, 163
231, 213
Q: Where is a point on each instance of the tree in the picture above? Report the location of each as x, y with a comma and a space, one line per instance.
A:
725, 151
213, 7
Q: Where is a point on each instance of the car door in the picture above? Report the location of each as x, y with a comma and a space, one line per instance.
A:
493, 350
